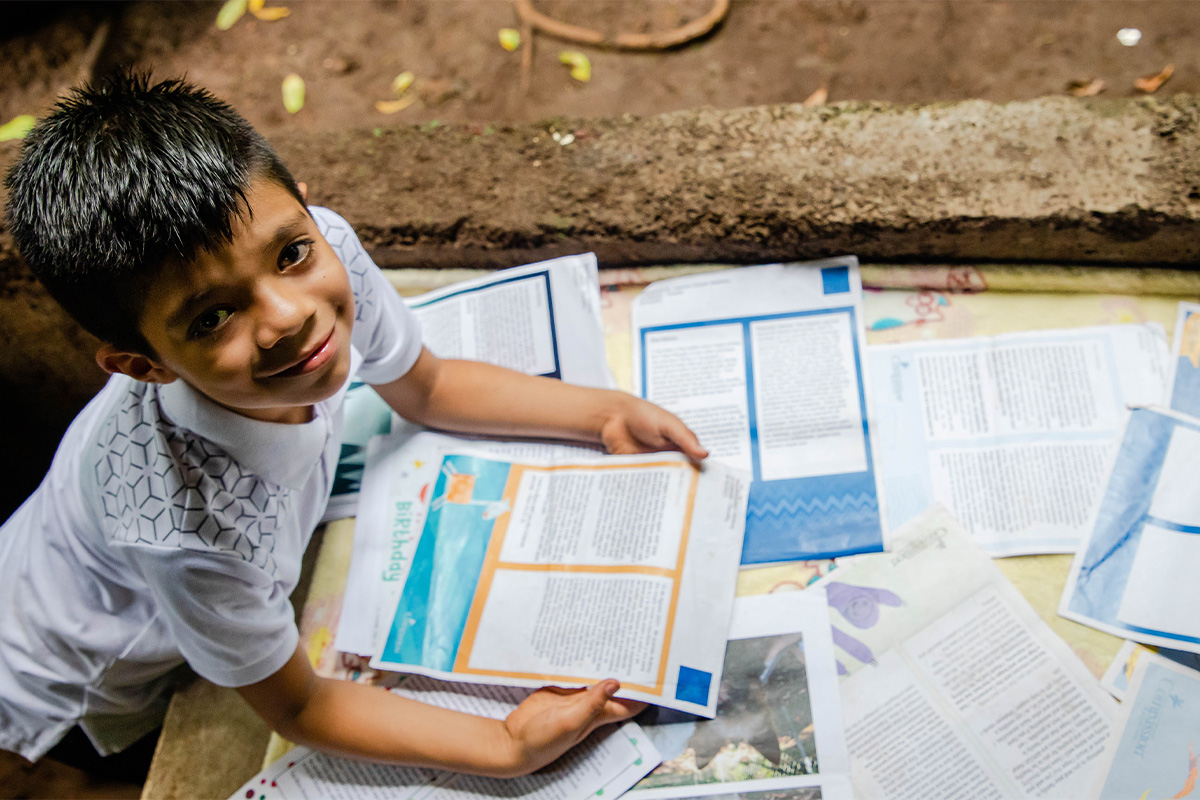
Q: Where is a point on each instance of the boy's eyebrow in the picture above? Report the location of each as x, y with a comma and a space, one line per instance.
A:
283, 234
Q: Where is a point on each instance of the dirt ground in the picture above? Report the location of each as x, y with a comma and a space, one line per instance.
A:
764, 52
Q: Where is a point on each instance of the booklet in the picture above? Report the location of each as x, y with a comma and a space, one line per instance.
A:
1185, 366
1011, 432
778, 729
570, 571
1117, 677
540, 319
765, 364
1135, 574
1153, 751
953, 686
608, 762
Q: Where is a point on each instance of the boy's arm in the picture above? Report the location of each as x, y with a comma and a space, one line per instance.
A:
473, 397
369, 723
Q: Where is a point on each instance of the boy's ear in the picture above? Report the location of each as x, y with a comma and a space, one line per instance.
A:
303, 187
135, 365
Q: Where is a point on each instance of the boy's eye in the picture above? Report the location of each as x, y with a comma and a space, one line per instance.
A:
208, 322
294, 253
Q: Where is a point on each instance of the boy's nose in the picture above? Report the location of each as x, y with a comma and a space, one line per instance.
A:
283, 313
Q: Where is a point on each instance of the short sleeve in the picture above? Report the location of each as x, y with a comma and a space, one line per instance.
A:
386, 331
232, 622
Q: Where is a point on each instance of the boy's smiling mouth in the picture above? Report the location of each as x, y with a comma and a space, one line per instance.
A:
316, 358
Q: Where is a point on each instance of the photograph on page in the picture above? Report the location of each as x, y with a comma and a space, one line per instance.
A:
1134, 576
939, 653
1013, 432
528, 573
766, 364
778, 726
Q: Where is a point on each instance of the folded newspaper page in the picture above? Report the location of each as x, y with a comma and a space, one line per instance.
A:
953, 686
1135, 574
1185, 366
1152, 753
605, 764
570, 571
1012, 433
765, 364
540, 319
778, 730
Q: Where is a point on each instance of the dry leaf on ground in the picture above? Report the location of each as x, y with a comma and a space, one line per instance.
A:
817, 98
293, 93
1086, 88
1150, 83
392, 106
581, 67
17, 127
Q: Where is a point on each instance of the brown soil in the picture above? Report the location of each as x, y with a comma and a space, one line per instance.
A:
765, 52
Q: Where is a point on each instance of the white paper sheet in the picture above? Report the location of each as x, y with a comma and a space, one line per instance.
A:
572, 571
778, 728
540, 319
1185, 363
1135, 574
1013, 432
606, 763
953, 686
1152, 752
765, 364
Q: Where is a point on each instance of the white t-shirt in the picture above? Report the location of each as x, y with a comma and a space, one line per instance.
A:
170, 529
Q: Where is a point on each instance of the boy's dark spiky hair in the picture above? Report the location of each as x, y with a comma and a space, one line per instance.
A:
122, 177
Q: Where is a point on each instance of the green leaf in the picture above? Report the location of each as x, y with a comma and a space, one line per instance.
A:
510, 39
581, 67
230, 13
293, 93
17, 127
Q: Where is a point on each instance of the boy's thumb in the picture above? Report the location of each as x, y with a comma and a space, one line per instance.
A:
599, 694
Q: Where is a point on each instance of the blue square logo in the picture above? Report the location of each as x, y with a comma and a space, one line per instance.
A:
692, 686
835, 280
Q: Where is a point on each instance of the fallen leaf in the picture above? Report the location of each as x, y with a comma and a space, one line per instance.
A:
1086, 88
817, 98
293, 93
273, 13
510, 39
17, 127
581, 67
392, 106
402, 81
1150, 83
230, 13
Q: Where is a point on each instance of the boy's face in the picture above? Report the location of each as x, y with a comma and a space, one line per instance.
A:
262, 326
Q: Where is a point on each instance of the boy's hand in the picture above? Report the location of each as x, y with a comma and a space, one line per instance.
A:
552, 720
639, 426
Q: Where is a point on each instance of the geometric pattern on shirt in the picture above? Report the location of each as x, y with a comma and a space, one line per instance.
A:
164, 485
344, 241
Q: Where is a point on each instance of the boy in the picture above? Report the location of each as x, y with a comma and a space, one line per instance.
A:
170, 526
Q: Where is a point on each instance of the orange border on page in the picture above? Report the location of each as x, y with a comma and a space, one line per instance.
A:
492, 563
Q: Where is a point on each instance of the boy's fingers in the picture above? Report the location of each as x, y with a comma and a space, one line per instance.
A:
686, 440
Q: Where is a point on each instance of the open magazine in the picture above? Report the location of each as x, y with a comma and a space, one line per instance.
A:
566, 571
766, 365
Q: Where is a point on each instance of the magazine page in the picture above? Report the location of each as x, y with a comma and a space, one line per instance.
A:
1012, 433
1134, 574
953, 686
608, 762
1185, 365
567, 572
765, 364
778, 729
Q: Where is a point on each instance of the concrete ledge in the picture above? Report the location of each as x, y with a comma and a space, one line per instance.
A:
1052, 180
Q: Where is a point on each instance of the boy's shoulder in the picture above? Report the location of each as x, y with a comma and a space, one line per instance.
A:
159, 484
349, 249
